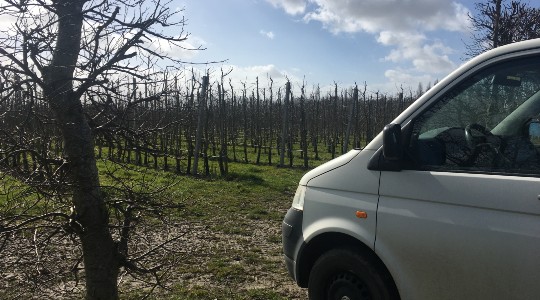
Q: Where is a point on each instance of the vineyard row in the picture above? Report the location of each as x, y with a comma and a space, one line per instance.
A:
198, 127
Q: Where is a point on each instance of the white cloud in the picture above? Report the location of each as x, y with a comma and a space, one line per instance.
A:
407, 79
378, 15
263, 72
11, 16
248, 75
402, 25
6, 21
260, 71
411, 46
268, 34
185, 50
292, 7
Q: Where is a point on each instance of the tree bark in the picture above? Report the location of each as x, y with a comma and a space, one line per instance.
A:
284, 124
350, 120
99, 251
200, 125
496, 24
303, 129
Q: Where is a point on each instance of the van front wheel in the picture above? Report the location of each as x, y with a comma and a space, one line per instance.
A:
343, 274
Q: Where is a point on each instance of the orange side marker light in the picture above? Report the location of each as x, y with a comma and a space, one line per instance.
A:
361, 214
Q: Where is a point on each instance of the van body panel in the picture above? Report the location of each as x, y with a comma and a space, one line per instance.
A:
335, 198
335, 211
376, 143
440, 231
329, 166
292, 239
352, 176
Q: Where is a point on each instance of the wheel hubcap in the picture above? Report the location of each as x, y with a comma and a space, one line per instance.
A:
347, 286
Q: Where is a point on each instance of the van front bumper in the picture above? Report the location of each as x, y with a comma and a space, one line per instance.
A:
292, 239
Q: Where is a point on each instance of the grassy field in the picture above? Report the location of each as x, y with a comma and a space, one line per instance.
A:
230, 227
233, 237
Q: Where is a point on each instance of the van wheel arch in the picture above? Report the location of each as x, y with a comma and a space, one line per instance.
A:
326, 242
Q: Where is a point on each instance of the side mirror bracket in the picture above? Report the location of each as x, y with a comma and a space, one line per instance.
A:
390, 156
392, 142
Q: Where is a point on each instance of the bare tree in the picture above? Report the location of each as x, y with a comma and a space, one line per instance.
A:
284, 124
58, 64
498, 23
419, 90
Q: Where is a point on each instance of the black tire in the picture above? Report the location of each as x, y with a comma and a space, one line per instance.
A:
343, 274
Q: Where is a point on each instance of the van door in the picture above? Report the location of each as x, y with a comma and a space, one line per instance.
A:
462, 220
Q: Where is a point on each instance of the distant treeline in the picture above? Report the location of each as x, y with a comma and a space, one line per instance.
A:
192, 126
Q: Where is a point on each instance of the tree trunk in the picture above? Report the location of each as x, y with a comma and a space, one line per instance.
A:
270, 123
350, 109
496, 24
335, 117
284, 124
99, 253
200, 125
303, 129
244, 108
222, 159
258, 126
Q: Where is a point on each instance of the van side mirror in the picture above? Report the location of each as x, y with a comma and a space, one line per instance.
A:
392, 147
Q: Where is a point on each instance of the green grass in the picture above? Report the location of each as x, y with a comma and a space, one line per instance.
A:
252, 151
233, 250
198, 293
242, 216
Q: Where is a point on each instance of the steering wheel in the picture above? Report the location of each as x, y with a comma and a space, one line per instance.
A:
488, 139
470, 139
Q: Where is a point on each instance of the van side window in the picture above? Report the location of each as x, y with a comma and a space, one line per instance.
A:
488, 123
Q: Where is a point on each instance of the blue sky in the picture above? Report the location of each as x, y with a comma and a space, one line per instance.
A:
387, 43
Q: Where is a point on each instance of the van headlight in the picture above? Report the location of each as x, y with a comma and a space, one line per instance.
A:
298, 201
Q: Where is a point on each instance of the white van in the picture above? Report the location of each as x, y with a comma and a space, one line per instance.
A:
443, 204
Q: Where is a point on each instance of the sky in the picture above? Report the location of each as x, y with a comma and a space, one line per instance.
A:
388, 44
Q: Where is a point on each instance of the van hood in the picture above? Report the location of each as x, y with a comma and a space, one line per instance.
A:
329, 166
